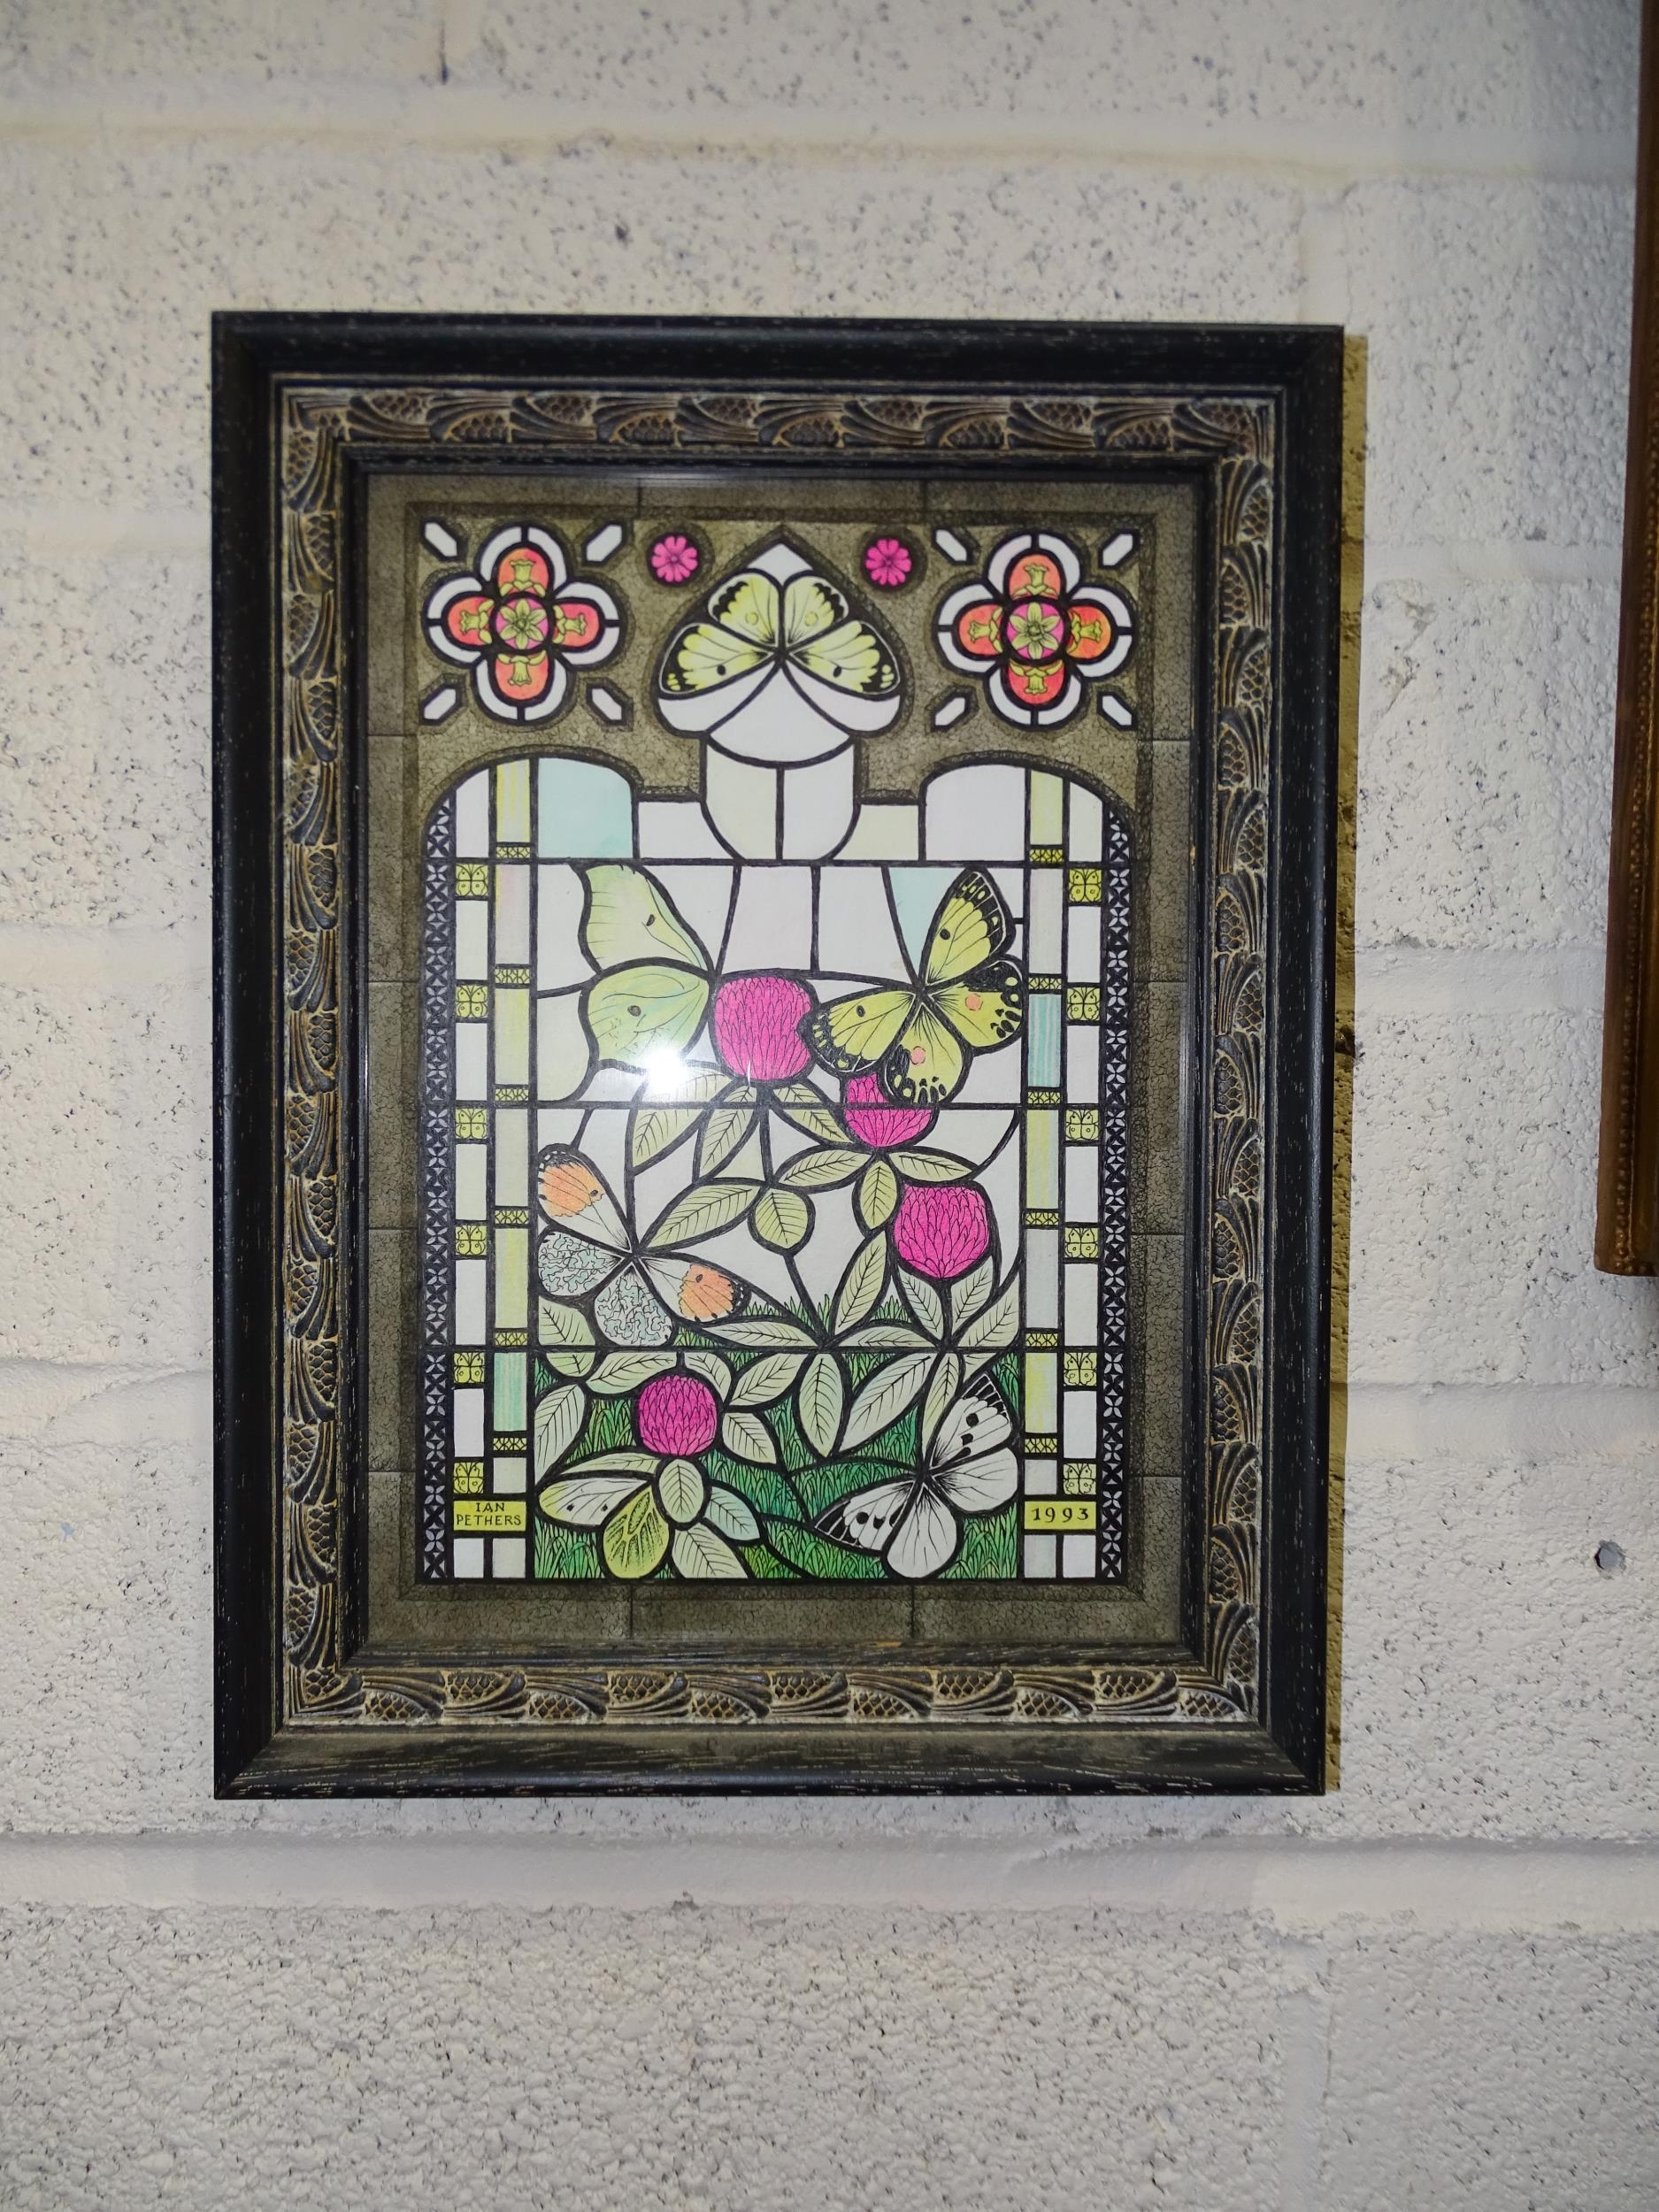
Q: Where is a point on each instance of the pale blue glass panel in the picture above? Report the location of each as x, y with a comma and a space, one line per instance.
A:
1042, 1047
583, 812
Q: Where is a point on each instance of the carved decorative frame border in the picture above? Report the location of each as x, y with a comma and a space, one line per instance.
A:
1256, 414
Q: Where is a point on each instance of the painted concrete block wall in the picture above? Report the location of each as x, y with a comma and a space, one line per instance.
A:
1439, 1984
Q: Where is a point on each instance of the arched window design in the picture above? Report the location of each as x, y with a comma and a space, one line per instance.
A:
774, 1209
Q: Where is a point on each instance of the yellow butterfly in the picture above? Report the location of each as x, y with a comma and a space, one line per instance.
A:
649, 1003
779, 667
968, 998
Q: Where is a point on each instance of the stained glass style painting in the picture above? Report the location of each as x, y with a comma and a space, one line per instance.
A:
774, 1137
775, 894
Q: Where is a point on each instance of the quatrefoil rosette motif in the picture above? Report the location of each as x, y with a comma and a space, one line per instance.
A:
521, 624
1033, 632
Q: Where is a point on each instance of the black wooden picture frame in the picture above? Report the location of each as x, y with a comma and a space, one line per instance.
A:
307, 409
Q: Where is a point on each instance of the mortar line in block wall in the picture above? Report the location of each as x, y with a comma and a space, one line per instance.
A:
1391, 981
447, 119
131, 1406
1298, 1885
89, 530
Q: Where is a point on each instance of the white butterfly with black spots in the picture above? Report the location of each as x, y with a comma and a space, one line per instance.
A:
915, 1523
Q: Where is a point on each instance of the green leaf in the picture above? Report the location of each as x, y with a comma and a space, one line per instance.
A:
885, 1336
929, 1167
732, 1515
816, 1556
942, 1388
635, 1541
700, 1211
586, 1500
861, 1284
558, 1423
878, 1194
566, 1325
658, 1130
803, 1105
745, 1438
624, 1371
782, 1219
767, 1379
968, 1295
712, 1369
681, 1491
885, 1396
998, 1326
762, 1334
819, 1402
821, 1171
723, 1130
925, 1302
701, 1555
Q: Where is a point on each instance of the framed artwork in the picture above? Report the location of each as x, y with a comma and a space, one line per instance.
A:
1627, 1191
773, 1053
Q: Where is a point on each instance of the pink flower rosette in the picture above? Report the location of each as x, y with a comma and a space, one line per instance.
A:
677, 1415
942, 1229
757, 1026
875, 1121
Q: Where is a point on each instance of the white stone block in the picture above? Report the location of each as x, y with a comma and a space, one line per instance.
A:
106, 1611
103, 743
1491, 2072
1409, 66
1486, 752
1497, 318
1473, 1206
1491, 1681
170, 51
104, 1153
855, 2061
120, 253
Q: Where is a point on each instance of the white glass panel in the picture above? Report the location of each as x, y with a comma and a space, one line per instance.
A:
1082, 1063
472, 818
883, 832
1087, 817
773, 926
1082, 945
471, 1168
1082, 1183
559, 958
1077, 1437
1040, 1552
472, 1059
469, 1558
1077, 1557
1042, 1253
512, 917
977, 814
471, 1283
471, 939
1048, 895
1082, 1303
512, 1147
469, 1423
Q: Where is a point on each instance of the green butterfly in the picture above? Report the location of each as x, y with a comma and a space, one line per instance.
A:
651, 999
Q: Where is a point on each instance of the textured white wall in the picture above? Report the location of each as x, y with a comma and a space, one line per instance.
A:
1436, 1987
